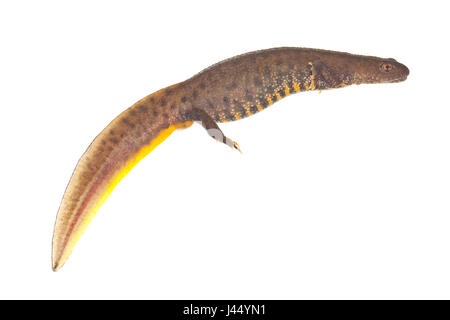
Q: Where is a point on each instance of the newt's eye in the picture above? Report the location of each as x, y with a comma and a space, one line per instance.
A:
386, 67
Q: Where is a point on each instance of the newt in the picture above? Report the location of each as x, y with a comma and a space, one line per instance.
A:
227, 91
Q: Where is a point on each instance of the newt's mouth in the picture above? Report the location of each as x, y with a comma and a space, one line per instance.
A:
403, 74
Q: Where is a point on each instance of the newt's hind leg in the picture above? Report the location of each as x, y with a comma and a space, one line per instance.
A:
213, 128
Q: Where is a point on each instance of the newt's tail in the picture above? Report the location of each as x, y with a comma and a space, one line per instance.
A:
112, 154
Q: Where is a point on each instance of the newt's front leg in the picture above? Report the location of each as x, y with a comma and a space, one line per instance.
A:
212, 128
323, 77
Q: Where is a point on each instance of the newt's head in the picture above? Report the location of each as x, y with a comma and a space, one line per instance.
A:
377, 70
339, 69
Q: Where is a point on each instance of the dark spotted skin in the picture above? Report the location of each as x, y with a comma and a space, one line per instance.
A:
241, 86
230, 90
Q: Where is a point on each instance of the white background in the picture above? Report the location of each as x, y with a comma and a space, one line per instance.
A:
343, 194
